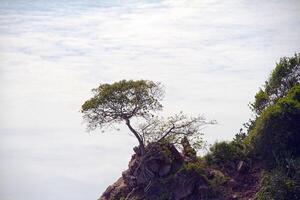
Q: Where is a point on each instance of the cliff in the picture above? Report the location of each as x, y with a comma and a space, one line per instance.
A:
262, 162
164, 173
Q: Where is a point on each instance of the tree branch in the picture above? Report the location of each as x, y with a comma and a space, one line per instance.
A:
136, 134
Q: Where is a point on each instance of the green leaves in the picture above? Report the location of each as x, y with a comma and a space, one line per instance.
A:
226, 154
285, 75
121, 101
277, 128
113, 103
261, 101
276, 185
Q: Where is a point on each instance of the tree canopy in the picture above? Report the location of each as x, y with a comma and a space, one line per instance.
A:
121, 101
285, 75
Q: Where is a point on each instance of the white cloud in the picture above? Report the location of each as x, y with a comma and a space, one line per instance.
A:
211, 56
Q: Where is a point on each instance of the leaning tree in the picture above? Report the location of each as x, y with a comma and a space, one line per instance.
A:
127, 99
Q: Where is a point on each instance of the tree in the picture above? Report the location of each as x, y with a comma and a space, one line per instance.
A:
124, 100
285, 75
174, 128
120, 101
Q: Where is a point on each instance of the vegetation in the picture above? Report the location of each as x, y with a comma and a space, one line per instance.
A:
276, 185
197, 167
261, 162
285, 75
277, 129
275, 133
124, 100
121, 101
173, 129
226, 154
272, 137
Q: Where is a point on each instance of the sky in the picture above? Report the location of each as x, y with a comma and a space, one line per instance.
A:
211, 56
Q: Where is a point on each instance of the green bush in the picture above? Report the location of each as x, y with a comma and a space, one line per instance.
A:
218, 179
261, 101
283, 69
226, 154
276, 185
197, 167
277, 129
282, 79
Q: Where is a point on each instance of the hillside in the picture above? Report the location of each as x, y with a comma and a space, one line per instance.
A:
262, 162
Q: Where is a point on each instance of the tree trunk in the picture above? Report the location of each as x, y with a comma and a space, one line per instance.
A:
136, 134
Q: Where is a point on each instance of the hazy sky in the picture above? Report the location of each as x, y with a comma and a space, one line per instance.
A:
211, 55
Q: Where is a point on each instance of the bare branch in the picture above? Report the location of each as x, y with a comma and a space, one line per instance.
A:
174, 128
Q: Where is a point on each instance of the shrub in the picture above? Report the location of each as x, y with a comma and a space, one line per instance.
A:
218, 179
197, 167
276, 185
226, 154
261, 101
277, 129
285, 75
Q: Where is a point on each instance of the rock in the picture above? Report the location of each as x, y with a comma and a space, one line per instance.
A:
136, 193
153, 165
232, 184
129, 179
156, 161
203, 189
210, 174
116, 191
133, 163
158, 173
242, 167
183, 184
217, 177
164, 170
137, 151
153, 190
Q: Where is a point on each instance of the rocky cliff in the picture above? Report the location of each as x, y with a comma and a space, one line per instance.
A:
262, 162
164, 173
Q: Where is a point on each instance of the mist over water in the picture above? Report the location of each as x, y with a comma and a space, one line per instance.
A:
211, 56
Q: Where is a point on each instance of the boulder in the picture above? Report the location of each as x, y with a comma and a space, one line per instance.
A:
164, 170
157, 161
185, 183
116, 191
137, 193
242, 167
157, 174
154, 190
232, 183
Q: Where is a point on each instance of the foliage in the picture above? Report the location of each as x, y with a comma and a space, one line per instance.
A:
114, 103
277, 129
285, 75
273, 135
226, 154
283, 70
276, 185
261, 101
121, 101
197, 167
187, 149
218, 179
173, 129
